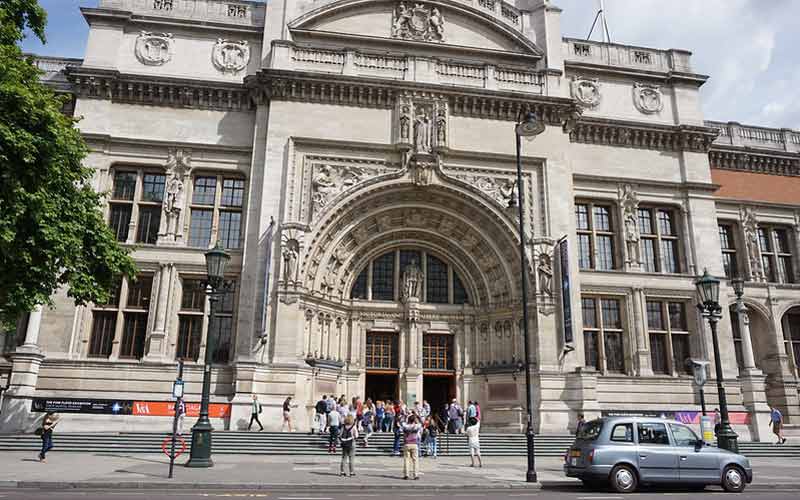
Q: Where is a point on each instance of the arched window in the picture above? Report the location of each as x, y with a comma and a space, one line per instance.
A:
379, 280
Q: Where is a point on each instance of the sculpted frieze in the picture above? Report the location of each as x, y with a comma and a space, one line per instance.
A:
230, 56
418, 21
330, 180
503, 190
648, 98
154, 49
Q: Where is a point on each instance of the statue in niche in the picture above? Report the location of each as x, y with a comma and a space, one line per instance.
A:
750, 227
290, 262
630, 207
422, 133
323, 187
173, 203
412, 281
405, 124
441, 128
545, 270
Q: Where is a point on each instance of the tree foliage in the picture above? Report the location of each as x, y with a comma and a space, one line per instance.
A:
52, 230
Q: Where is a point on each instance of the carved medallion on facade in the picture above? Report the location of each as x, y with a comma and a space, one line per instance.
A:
154, 49
418, 21
586, 91
648, 98
230, 56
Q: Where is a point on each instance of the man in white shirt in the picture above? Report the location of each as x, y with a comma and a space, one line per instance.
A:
474, 442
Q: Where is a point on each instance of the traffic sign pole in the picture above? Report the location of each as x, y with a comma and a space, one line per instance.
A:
177, 393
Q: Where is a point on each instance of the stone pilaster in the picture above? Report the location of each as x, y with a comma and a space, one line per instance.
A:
25, 363
157, 340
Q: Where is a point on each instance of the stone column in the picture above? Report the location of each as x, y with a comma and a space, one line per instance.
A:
642, 353
156, 342
411, 379
753, 381
744, 327
25, 363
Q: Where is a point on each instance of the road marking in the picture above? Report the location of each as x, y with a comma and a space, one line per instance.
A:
523, 495
305, 498
599, 498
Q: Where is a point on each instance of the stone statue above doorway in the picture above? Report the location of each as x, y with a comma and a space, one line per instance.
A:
412, 282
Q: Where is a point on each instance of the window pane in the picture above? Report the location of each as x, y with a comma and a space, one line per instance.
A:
193, 297
602, 219
149, 221
459, 292
200, 229
729, 263
133, 335
227, 301
584, 251
204, 192
655, 319
785, 269
605, 252
769, 271
763, 240
582, 217
658, 353
615, 353
677, 316
683, 436
120, 221
645, 221
103, 328
611, 317
153, 187
381, 350
139, 293
232, 192
113, 299
409, 256
649, 255
359, 290
222, 339
437, 352
590, 349
665, 223
383, 277
726, 237
622, 433
230, 225
436, 282
680, 353
589, 316
190, 332
124, 185
653, 433
669, 256
782, 237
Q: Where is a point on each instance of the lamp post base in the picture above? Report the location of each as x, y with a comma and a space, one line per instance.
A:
728, 439
200, 455
530, 475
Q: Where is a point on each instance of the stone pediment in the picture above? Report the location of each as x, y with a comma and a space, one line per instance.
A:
446, 24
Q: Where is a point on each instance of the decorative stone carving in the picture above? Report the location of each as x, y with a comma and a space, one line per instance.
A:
384, 222
405, 118
503, 190
545, 274
629, 203
440, 126
330, 180
750, 228
231, 56
418, 22
586, 91
178, 166
154, 49
414, 218
421, 172
290, 255
422, 131
648, 98
361, 235
412, 282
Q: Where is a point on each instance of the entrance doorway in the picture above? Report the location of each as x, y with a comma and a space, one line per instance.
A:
381, 386
438, 390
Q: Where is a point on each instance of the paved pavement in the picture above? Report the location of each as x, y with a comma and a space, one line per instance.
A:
280, 473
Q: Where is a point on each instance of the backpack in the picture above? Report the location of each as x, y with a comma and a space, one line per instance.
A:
347, 433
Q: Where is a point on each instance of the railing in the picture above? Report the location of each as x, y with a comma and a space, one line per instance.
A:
736, 134
505, 76
460, 71
381, 62
241, 12
318, 56
607, 54
55, 64
501, 9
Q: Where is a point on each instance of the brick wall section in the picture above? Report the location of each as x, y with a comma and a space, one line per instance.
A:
756, 187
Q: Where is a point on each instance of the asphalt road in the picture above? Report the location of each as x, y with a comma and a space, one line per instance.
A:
571, 493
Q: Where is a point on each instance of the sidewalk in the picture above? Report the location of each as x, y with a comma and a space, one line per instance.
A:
109, 470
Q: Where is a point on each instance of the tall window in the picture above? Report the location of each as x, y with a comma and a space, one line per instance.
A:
595, 226
791, 330
137, 196
437, 352
776, 254
381, 350
216, 199
223, 330
436, 284
603, 334
659, 240
190, 320
728, 244
737, 337
383, 277
134, 327
104, 325
669, 336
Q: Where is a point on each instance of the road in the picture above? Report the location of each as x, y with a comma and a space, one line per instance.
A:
565, 493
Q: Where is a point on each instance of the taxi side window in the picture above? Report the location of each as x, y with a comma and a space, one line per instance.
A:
622, 433
653, 433
683, 436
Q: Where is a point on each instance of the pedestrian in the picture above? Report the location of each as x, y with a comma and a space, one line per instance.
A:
181, 415
255, 411
477, 411
411, 431
472, 411
433, 433
456, 415
334, 422
397, 427
367, 421
287, 414
776, 419
348, 438
319, 415
380, 413
444, 415
579, 424
474, 442
426, 409
388, 418
717, 421
49, 423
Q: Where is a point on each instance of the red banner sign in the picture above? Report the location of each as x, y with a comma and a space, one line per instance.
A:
167, 409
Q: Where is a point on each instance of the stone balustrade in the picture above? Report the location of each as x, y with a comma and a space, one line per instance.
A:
239, 12
736, 134
608, 54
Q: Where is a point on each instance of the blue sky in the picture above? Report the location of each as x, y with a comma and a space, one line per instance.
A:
748, 47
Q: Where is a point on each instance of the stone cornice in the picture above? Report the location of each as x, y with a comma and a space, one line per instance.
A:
668, 77
643, 135
378, 93
754, 160
100, 83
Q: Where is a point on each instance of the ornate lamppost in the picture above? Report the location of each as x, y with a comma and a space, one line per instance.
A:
708, 295
216, 288
528, 126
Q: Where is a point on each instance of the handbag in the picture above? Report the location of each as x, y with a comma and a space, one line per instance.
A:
39, 431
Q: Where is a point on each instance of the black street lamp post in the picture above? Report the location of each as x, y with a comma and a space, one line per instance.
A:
216, 260
528, 126
708, 292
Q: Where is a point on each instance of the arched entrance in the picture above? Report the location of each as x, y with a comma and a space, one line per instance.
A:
790, 324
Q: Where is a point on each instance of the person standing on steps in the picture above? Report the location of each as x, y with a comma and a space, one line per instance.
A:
411, 430
776, 419
334, 422
319, 415
348, 438
287, 414
474, 442
254, 412
49, 423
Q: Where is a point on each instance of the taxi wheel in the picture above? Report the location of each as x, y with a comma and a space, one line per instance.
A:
623, 479
733, 479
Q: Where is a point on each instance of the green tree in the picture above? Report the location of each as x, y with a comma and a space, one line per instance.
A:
52, 231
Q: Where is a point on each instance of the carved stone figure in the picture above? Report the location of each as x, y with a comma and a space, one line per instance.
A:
437, 24
422, 134
412, 281
508, 192
750, 228
648, 98
405, 124
178, 166
323, 186
441, 128
630, 206
586, 91
415, 219
418, 22
545, 271
231, 56
421, 172
154, 49
290, 262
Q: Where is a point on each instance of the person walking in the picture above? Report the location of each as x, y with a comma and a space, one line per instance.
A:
433, 433
255, 410
473, 436
287, 414
49, 423
472, 411
477, 411
456, 415
319, 415
776, 419
579, 424
181, 416
717, 421
388, 418
368, 421
334, 422
411, 431
348, 438
380, 413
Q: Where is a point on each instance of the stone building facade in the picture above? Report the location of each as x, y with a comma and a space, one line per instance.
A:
357, 159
